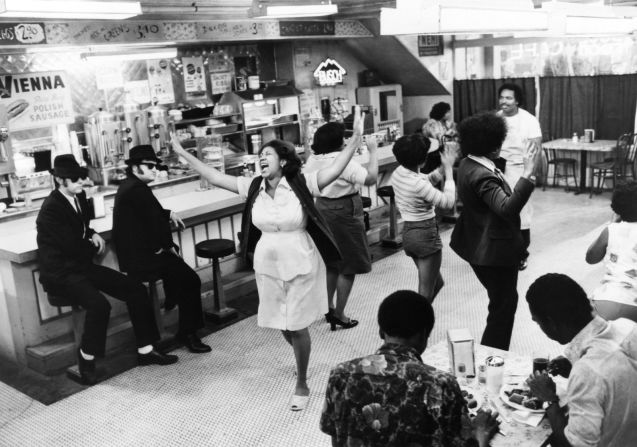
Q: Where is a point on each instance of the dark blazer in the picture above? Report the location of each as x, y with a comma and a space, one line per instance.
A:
64, 246
316, 226
141, 227
488, 229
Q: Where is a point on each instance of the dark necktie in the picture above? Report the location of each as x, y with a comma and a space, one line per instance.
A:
78, 208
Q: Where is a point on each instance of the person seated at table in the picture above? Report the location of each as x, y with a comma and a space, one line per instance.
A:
416, 199
600, 363
391, 398
616, 297
142, 237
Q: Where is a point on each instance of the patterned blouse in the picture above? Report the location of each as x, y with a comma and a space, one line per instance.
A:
393, 399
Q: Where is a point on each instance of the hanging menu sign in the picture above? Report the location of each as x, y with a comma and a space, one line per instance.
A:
21, 33
36, 99
430, 45
329, 72
306, 28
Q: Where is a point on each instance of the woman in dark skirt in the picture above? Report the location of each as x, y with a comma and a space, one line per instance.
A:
341, 205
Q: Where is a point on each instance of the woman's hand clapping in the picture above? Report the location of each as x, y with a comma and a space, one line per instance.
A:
531, 159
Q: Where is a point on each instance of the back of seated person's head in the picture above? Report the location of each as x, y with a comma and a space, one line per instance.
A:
405, 315
411, 150
482, 134
624, 201
439, 110
558, 299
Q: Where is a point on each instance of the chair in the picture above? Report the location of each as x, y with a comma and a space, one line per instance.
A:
215, 249
367, 202
615, 167
394, 240
561, 168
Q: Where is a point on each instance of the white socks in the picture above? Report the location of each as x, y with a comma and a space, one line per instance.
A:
86, 356
145, 349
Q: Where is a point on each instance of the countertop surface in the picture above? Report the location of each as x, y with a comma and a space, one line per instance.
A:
18, 236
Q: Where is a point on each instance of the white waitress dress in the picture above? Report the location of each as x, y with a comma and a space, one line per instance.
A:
289, 270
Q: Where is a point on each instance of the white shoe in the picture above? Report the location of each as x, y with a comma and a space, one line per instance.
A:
298, 403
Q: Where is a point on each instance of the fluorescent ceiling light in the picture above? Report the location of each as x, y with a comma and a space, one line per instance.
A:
56, 9
580, 19
462, 17
273, 9
164, 53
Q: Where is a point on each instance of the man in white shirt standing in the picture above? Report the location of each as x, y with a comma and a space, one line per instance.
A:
523, 131
601, 364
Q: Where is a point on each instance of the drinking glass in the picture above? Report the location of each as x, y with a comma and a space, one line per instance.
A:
540, 361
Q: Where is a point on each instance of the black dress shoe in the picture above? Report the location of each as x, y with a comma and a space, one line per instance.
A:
523, 264
193, 343
88, 374
155, 357
169, 304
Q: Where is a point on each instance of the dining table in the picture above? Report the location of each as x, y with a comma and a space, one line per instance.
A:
515, 428
583, 147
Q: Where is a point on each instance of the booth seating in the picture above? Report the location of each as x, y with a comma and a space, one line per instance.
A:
394, 239
367, 202
78, 314
215, 249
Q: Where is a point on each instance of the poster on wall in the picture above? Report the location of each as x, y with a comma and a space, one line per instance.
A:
220, 82
138, 91
194, 77
430, 45
36, 99
160, 81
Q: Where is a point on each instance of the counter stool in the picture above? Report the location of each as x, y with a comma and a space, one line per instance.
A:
215, 249
394, 240
367, 202
72, 372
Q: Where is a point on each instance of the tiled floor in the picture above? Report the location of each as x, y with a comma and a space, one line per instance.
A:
237, 395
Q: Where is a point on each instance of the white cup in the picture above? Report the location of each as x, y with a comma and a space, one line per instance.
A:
495, 374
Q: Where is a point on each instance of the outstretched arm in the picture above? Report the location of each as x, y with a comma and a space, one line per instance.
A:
211, 174
372, 166
597, 250
327, 175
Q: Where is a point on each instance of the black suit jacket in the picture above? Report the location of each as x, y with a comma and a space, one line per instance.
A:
64, 246
141, 227
488, 229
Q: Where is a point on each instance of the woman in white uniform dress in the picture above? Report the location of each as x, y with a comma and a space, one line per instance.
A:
282, 226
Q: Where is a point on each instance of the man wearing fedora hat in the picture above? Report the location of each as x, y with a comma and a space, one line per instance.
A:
145, 249
66, 247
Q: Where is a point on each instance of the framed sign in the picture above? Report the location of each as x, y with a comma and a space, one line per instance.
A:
430, 45
329, 73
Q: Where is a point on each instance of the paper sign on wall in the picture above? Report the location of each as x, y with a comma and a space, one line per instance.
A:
194, 76
160, 81
220, 82
36, 99
138, 91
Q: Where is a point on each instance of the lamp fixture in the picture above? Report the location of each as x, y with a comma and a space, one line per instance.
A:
57, 9
159, 53
281, 9
462, 17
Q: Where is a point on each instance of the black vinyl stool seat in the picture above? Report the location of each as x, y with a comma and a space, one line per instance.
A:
367, 202
215, 249
393, 240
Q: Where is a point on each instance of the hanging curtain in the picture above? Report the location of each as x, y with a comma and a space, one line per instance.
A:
617, 101
471, 96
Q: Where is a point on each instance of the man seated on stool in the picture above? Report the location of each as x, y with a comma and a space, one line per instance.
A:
143, 242
601, 364
66, 247
392, 398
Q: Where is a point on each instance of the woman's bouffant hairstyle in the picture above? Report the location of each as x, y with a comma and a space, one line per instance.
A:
404, 314
411, 150
518, 94
439, 110
624, 201
328, 138
285, 151
482, 134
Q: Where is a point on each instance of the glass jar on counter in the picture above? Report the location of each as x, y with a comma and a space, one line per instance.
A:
210, 149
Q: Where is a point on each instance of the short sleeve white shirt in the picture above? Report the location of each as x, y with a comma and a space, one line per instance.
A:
350, 180
521, 127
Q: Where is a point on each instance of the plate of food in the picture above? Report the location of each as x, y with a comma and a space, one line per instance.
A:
521, 399
473, 398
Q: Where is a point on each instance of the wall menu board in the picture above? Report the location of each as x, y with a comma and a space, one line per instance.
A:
306, 28
430, 45
22, 33
37, 99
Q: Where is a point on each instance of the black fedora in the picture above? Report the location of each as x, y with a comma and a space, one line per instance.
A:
141, 153
65, 166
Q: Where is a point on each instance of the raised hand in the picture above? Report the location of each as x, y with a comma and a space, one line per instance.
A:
176, 144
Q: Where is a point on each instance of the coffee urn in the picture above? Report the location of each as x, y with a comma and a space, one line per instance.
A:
133, 126
102, 136
158, 128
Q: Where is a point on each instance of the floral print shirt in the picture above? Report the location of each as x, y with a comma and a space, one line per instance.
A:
391, 398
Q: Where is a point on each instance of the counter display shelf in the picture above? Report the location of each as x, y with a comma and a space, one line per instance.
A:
34, 333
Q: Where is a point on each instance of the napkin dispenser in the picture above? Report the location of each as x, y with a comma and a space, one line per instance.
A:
589, 135
461, 351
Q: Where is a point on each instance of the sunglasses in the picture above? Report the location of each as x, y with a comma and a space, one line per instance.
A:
149, 165
75, 179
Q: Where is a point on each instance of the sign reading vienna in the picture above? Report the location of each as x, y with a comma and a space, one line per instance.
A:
36, 99
329, 72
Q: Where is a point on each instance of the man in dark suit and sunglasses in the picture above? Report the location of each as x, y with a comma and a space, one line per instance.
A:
142, 235
66, 247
